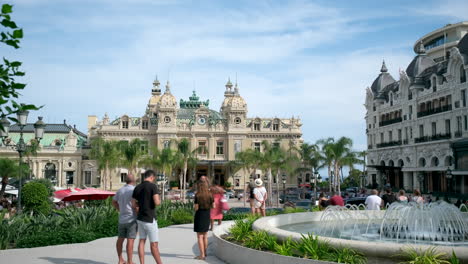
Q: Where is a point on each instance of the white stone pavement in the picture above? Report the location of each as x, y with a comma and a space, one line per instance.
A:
178, 244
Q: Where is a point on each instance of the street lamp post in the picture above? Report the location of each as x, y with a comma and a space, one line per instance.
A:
449, 177
161, 179
21, 147
265, 180
283, 178
421, 181
363, 179
316, 179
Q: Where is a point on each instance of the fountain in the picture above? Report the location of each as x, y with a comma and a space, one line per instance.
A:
380, 233
436, 223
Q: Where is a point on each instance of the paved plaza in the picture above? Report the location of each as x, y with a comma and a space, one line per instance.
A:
178, 245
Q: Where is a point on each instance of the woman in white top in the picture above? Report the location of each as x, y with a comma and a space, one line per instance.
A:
417, 198
261, 196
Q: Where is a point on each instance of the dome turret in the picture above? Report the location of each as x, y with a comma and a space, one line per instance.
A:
419, 63
382, 80
167, 99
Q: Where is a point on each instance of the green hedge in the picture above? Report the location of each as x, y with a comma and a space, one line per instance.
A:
36, 198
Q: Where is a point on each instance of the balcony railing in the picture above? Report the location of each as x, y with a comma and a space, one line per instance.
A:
433, 138
405, 142
437, 110
458, 134
389, 122
389, 144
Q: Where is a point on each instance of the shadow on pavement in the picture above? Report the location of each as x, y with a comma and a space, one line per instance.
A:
71, 261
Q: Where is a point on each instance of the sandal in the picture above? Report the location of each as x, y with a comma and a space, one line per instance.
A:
200, 258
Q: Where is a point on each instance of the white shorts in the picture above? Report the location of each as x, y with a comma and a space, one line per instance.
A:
149, 230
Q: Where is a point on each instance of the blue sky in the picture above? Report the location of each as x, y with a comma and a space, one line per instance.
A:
311, 59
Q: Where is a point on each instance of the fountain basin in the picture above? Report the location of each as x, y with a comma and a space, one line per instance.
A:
374, 250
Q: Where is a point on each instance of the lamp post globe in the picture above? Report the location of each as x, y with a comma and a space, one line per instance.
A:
22, 117
39, 128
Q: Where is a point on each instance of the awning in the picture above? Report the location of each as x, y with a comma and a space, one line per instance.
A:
12, 192
88, 194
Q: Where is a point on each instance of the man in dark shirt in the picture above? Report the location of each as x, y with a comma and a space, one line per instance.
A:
145, 199
336, 200
388, 198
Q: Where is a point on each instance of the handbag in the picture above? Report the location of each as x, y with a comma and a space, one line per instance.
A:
224, 204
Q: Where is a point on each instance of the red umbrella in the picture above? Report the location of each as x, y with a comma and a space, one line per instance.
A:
62, 193
88, 194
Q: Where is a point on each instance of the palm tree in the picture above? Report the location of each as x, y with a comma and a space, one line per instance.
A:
187, 157
338, 154
326, 148
132, 154
107, 153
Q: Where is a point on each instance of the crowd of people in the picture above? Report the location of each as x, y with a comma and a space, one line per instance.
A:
376, 201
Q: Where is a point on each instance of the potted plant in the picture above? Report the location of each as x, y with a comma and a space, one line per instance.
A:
174, 185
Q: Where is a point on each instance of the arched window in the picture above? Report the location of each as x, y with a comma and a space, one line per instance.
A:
422, 162
50, 173
462, 74
448, 161
400, 163
435, 162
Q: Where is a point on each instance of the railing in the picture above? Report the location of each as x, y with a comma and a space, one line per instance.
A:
389, 144
433, 138
389, 122
437, 110
458, 134
405, 142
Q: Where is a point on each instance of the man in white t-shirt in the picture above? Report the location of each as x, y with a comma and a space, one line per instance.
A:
261, 196
373, 201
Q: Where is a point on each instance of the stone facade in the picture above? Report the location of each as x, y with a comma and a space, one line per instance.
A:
60, 156
223, 133
412, 123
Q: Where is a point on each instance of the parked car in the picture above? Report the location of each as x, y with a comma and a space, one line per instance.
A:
355, 200
304, 204
289, 198
239, 194
239, 210
229, 194
190, 194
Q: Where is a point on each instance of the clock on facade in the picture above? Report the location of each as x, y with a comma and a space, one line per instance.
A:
201, 120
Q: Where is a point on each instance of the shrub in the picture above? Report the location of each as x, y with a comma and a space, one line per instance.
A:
414, 256
36, 198
290, 210
164, 223
260, 240
286, 248
347, 255
311, 247
453, 259
182, 216
242, 228
55, 238
48, 184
